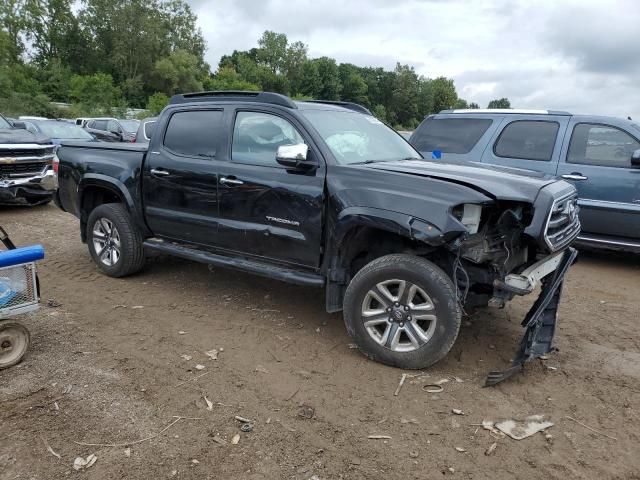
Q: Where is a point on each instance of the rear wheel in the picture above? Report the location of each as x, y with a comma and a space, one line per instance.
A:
402, 310
115, 244
14, 343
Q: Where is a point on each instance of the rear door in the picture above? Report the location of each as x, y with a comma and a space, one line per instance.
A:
532, 142
597, 160
265, 209
179, 182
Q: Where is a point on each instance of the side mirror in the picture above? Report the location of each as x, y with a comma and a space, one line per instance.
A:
635, 159
20, 125
294, 157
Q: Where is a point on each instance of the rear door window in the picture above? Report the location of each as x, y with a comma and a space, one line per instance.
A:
528, 140
603, 145
449, 135
100, 125
194, 133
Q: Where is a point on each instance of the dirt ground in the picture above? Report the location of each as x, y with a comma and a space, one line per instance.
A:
107, 367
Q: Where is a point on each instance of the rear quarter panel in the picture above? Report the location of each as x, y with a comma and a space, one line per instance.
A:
117, 167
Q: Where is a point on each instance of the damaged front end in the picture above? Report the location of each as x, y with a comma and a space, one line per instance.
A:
499, 258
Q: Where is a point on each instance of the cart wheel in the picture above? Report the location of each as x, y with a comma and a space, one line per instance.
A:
14, 342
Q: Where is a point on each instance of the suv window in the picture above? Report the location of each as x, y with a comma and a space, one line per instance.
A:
194, 133
449, 135
257, 136
113, 126
527, 139
99, 125
594, 144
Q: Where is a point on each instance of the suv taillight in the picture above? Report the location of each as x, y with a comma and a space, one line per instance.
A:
56, 164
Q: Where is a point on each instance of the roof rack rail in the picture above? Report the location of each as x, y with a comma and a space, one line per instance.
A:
506, 110
356, 107
236, 95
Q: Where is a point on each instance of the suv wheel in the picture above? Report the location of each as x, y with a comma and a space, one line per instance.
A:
115, 244
402, 310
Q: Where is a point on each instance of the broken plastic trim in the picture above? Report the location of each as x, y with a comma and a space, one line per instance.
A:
540, 322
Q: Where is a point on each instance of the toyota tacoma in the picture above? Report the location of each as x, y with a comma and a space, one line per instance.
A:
323, 194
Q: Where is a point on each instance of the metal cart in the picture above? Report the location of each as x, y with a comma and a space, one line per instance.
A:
19, 294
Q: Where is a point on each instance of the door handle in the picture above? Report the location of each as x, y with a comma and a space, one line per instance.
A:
231, 181
575, 176
159, 171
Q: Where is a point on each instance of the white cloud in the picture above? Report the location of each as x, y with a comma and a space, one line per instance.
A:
576, 55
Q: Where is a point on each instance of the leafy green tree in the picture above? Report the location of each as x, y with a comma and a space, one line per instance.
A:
295, 58
461, 103
157, 102
53, 30
178, 72
228, 79
310, 82
474, 105
96, 91
329, 79
380, 113
354, 88
444, 93
404, 100
14, 24
272, 51
499, 103
55, 80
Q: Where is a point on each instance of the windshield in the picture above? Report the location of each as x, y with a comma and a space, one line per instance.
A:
63, 130
4, 123
357, 138
130, 126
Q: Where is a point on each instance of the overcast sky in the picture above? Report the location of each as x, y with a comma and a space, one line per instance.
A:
582, 56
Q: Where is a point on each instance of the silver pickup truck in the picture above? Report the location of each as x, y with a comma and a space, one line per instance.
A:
26, 166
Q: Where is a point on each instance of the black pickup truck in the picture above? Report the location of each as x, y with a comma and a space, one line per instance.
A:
324, 194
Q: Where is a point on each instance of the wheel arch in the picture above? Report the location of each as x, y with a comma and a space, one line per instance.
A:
97, 189
361, 234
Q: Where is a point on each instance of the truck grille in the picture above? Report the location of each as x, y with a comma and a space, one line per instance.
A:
563, 225
21, 169
25, 152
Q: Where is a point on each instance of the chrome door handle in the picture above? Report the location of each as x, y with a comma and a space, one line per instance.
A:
231, 181
159, 171
575, 176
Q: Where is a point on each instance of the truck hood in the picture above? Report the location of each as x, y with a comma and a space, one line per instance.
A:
501, 183
18, 135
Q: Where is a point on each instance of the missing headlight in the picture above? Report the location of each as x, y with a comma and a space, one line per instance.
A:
469, 215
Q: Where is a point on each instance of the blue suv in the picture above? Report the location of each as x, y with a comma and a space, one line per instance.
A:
599, 155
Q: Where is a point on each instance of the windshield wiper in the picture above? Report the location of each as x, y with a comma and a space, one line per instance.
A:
366, 162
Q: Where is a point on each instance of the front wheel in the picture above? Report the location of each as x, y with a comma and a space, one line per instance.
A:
401, 310
115, 244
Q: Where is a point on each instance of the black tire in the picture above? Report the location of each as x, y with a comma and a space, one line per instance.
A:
423, 274
131, 252
14, 343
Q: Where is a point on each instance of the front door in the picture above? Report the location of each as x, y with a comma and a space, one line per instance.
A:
265, 209
597, 160
180, 177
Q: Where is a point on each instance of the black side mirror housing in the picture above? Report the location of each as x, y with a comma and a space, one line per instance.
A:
635, 159
20, 125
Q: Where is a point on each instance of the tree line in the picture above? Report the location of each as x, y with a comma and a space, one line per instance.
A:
104, 56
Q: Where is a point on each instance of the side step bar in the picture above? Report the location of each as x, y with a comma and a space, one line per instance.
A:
264, 270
